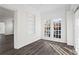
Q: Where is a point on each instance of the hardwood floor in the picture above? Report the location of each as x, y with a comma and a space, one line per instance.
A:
43, 47
6, 42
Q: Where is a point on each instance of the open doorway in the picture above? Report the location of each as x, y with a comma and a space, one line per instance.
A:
6, 29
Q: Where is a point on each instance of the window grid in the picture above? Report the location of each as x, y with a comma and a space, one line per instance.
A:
47, 30
57, 29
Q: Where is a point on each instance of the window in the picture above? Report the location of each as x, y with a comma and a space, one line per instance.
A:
57, 28
47, 29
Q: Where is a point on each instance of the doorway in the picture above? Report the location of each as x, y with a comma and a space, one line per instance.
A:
6, 29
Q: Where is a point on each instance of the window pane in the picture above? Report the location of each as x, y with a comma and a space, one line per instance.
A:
59, 32
59, 28
56, 32
59, 36
56, 36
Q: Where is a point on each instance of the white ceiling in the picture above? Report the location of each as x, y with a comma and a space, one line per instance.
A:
42, 8
5, 13
47, 7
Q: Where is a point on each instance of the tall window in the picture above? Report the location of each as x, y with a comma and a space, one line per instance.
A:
57, 28
47, 29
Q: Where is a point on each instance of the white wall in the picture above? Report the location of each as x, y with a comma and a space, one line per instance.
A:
21, 36
70, 27
58, 13
24, 36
